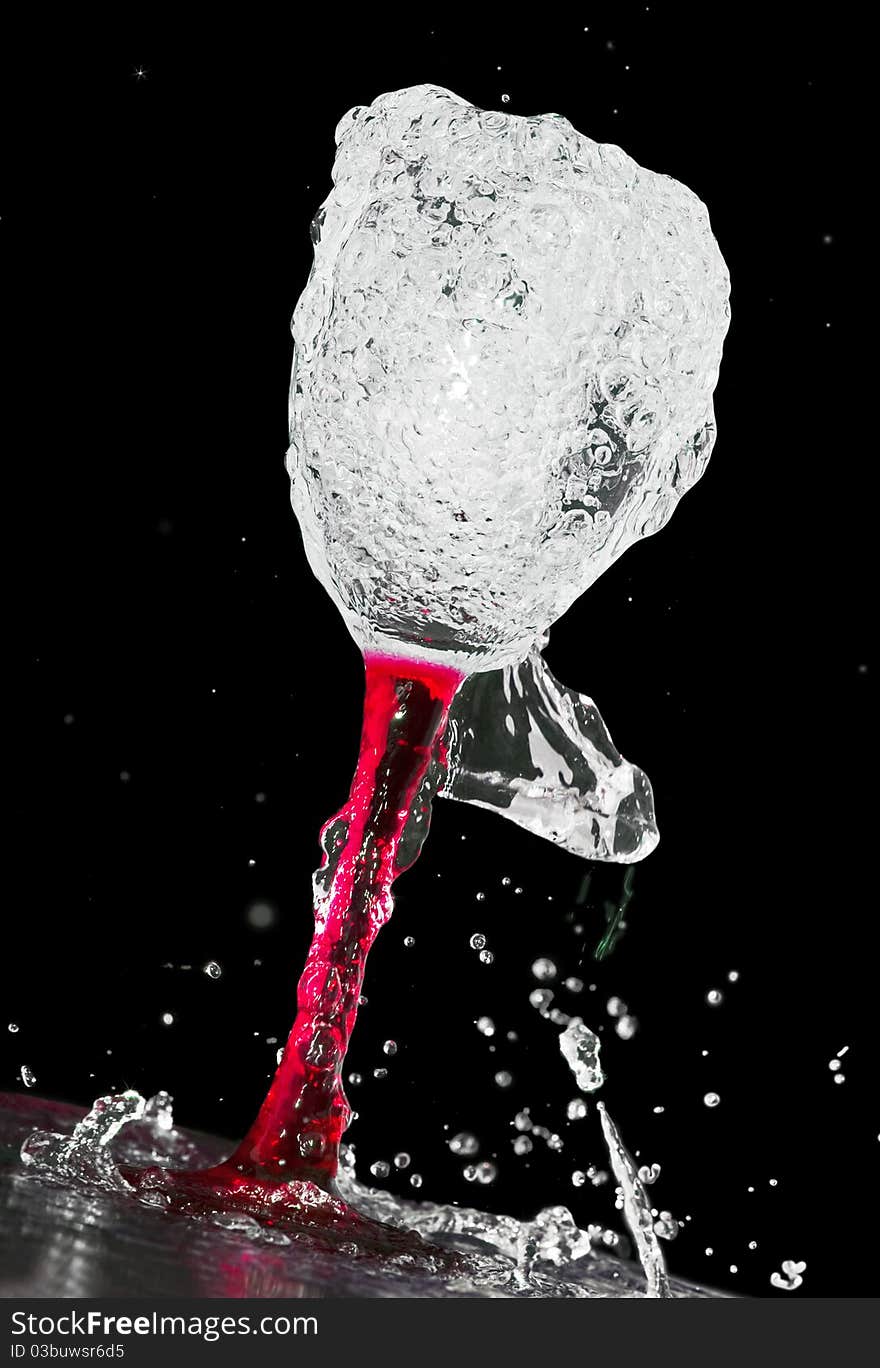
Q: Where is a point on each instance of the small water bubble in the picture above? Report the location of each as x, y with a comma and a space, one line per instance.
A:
487, 957
355, 1079
481, 897
505, 882
477, 941
753, 1244
733, 976
789, 1280
469, 1173
503, 1078
409, 941
576, 1109
402, 1160
578, 1178
840, 1078
380, 1169
834, 1065
544, 969
505, 99
390, 1047
464, 1143
380, 1073
774, 1182
626, 1026
523, 1145
486, 1172
574, 985
517, 890
615, 1007
261, 915
485, 1025
415, 1180
714, 997
711, 1099
212, 969
13, 1027
167, 1019
28, 1077
666, 1227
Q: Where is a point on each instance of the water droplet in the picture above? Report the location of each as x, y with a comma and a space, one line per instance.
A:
380, 1073
415, 1180
733, 976
167, 1019
576, 1109
28, 1077
390, 1047
464, 1143
649, 1174
212, 969
402, 1160
469, 1173
666, 1227
615, 1007
523, 1145
544, 970
503, 1078
840, 1078
486, 957
790, 1278
714, 997
485, 1025
580, 1049
522, 1120
505, 882
540, 998
711, 1099
505, 99
477, 941
380, 1169
409, 941
574, 985
13, 1026
481, 897
355, 1079
261, 915
578, 1178
626, 1027
486, 1172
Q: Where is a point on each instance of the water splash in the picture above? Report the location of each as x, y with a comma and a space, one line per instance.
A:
636, 1208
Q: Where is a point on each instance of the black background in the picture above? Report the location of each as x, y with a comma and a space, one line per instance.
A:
165, 627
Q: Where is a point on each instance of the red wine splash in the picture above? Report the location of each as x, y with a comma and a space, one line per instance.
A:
289, 1158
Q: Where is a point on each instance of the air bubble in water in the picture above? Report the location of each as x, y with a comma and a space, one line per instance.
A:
28, 1077
380, 1169
711, 1099
478, 940
576, 1109
486, 957
464, 1143
390, 1047
544, 969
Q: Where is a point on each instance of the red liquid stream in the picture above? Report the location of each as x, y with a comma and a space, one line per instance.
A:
287, 1162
